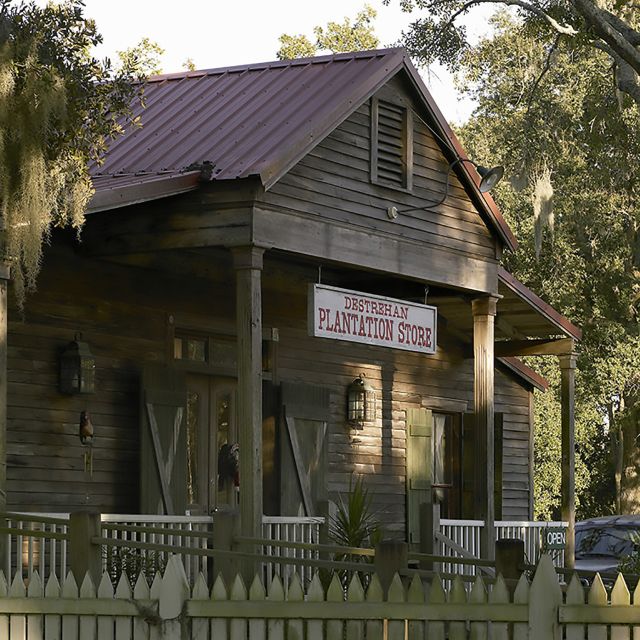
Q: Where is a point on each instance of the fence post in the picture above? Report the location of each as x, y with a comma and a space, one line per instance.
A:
429, 526
545, 597
509, 560
85, 556
391, 557
225, 529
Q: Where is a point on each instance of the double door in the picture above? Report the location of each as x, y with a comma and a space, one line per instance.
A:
211, 443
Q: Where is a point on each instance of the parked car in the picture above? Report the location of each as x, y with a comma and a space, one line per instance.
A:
601, 543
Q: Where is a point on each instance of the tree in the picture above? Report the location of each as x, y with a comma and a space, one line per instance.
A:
58, 106
144, 57
608, 26
572, 154
336, 38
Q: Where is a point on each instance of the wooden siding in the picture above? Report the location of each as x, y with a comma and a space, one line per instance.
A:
124, 314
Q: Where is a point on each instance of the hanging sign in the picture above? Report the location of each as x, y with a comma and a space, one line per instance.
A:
360, 317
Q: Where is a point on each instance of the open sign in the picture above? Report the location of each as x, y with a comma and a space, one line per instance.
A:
554, 538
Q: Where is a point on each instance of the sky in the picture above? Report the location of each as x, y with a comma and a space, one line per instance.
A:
218, 33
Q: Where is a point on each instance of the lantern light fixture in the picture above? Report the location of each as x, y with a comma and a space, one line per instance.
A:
77, 368
361, 403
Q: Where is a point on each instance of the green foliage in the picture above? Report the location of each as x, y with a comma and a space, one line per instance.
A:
143, 57
58, 106
566, 116
132, 562
336, 37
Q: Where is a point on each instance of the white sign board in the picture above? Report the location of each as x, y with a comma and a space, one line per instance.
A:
359, 317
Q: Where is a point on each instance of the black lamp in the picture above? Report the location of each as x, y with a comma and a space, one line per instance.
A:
361, 403
77, 368
490, 177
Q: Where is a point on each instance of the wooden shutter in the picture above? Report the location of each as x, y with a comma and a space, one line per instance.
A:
163, 442
497, 461
303, 448
419, 467
391, 144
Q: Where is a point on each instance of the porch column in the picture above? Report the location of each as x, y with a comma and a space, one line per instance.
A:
484, 312
568, 384
247, 262
4, 286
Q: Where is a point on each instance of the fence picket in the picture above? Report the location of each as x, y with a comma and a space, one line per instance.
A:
636, 603
478, 595
437, 595
34, 622
87, 623
457, 595
620, 596
355, 593
123, 623
200, 626
415, 595
238, 626
51, 623
105, 623
4, 620
521, 596
375, 628
155, 630
276, 594
219, 626
395, 628
545, 596
295, 593
140, 592
70, 623
575, 595
173, 594
17, 622
597, 595
257, 627
315, 593
499, 595
335, 628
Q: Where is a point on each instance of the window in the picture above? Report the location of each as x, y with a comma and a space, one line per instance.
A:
446, 463
391, 145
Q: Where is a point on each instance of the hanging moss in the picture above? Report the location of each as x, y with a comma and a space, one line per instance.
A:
542, 205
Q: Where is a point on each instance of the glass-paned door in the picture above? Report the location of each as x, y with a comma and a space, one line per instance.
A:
212, 452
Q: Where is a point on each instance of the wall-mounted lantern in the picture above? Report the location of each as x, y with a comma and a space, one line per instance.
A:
77, 368
361, 403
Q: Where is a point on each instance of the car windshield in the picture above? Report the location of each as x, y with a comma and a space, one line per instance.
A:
615, 541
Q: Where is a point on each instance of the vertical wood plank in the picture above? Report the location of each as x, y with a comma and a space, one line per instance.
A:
155, 631
335, 628
575, 595
70, 623
597, 595
105, 623
238, 626
315, 593
123, 626
521, 596
52, 627
257, 627
436, 596
35, 622
499, 595
544, 598
417, 628
218, 626
87, 623
478, 595
395, 628
173, 594
140, 592
17, 622
200, 626
375, 628
355, 593
620, 596
458, 595
636, 603
276, 594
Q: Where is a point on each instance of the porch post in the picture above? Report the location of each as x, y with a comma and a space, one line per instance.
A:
568, 384
484, 312
4, 286
247, 262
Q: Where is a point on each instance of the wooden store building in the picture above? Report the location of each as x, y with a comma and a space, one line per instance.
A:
293, 264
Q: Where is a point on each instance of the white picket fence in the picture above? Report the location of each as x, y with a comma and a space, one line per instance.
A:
170, 610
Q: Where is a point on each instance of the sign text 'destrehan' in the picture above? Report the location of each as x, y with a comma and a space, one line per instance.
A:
342, 314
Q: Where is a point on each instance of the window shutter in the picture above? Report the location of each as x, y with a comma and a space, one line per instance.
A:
392, 146
419, 467
163, 442
497, 461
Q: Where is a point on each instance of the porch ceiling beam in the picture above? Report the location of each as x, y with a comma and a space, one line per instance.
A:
540, 347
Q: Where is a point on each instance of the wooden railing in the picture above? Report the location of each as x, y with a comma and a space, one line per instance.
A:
392, 609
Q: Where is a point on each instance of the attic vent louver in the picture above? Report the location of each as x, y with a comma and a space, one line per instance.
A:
391, 145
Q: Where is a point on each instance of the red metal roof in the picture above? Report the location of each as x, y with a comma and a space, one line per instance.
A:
260, 119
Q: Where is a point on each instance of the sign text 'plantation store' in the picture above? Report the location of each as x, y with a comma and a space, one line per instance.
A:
356, 317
